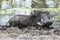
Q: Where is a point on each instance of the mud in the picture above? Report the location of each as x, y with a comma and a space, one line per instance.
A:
29, 33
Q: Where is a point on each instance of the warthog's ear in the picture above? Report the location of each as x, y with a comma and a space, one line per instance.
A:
33, 16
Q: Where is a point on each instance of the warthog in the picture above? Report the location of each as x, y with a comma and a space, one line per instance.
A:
38, 18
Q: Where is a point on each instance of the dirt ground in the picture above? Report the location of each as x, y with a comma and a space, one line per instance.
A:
29, 33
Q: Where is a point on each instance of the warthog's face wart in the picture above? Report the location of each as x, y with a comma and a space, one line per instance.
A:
43, 19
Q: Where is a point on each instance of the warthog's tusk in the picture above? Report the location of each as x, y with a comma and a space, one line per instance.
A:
39, 23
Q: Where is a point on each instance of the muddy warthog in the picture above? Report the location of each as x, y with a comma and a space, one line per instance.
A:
38, 18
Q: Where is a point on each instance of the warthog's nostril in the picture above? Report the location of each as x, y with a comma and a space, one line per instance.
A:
48, 23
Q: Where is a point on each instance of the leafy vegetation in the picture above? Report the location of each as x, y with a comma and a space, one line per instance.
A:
36, 5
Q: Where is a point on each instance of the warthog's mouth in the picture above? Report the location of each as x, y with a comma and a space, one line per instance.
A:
42, 24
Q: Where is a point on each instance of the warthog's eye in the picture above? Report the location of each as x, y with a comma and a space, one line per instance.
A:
49, 17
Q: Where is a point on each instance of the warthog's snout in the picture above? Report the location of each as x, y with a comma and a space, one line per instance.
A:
48, 23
